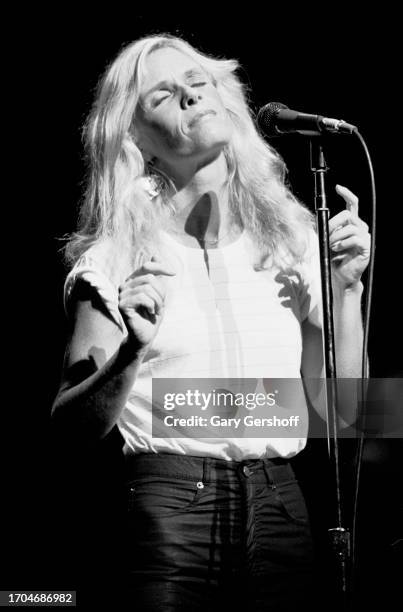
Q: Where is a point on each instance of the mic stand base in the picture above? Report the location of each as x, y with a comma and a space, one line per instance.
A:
340, 544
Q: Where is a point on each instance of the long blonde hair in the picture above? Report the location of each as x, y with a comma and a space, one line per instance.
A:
119, 208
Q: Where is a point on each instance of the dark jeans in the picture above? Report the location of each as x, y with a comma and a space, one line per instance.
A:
211, 534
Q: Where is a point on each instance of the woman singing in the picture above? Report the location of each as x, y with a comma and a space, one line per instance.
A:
193, 260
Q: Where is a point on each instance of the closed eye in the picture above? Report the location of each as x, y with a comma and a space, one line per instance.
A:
160, 96
163, 94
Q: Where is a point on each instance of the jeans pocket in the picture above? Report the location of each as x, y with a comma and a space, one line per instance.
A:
163, 496
292, 501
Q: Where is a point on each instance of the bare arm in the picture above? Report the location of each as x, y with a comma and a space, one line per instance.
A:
101, 363
99, 370
348, 330
348, 338
350, 245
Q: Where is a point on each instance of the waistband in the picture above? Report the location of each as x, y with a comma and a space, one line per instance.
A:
206, 469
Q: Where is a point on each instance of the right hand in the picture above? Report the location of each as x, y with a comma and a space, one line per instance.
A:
141, 301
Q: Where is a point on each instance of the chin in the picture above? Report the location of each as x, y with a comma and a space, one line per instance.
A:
213, 139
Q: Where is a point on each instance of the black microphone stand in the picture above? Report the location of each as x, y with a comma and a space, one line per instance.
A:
339, 535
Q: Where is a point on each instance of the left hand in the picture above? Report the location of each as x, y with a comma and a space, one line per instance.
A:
349, 242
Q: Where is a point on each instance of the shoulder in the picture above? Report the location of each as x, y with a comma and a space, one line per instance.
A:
98, 258
95, 279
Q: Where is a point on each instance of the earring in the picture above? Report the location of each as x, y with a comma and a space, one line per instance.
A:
151, 185
155, 186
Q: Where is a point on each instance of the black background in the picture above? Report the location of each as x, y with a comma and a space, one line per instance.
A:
337, 64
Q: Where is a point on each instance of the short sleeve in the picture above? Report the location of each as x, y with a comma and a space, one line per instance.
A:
90, 270
310, 291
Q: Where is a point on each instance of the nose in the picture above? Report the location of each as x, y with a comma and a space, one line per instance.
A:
189, 97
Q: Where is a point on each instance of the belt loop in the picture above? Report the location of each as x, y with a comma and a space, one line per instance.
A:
267, 471
206, 469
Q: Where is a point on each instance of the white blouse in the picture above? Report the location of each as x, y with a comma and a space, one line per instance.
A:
222, 320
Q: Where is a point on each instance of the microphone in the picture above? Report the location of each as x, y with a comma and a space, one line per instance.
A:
275, 119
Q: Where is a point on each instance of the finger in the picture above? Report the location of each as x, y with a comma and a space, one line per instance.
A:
153, 294
344, 217
342, 232
337, 258
154, 268
350, 199
134, 302
147, 279
158, 267
356, 242
129, 292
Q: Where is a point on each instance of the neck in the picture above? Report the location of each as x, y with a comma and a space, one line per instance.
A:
202, 202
